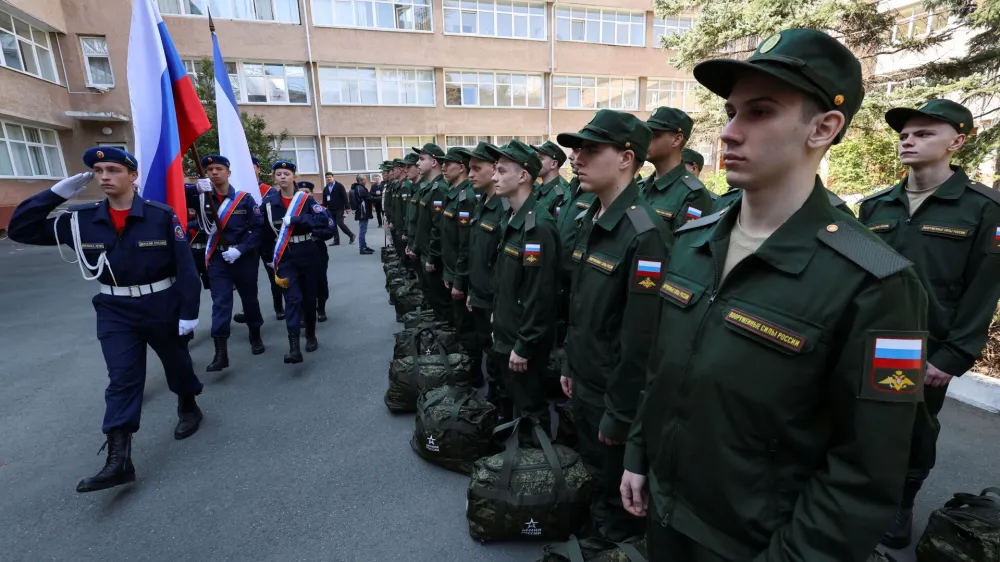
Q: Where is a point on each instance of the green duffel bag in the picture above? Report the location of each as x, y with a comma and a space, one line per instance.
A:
527, 493
408, 298
388, 253
966, 529
454, 428
595, 550
442, 332
422, 315
880, 557
394, 284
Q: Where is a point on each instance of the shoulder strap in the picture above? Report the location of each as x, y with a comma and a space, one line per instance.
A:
529, 221
698, 223
989, 192
159, 205
877, 194
559, 190
505, 203
692, 182
84, 206
870, 254
462, 196
581, 215
640, 219
834, 199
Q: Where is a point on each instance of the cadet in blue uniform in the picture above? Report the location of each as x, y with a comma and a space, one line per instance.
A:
149, 294
279, 307
292, 217
230, 255
320, 236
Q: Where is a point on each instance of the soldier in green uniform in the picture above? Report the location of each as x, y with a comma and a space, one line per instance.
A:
676, 194
727, 199
435, 189
456, 222
554, 188
791, 443
408, 209
524, 317
621, 251
567, 221
949, 227
484, 242
693, 161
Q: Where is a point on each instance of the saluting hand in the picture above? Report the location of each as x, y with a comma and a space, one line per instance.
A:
72, 186
633, 490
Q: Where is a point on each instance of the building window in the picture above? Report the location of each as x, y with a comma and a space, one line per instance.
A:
398, 147
594, 92
495, 18
665, 27
501, 140
284, 11
680, 94
193, 68
493, 89
355, 154
914, 22
301, 150
465, 141
29, 152
593, 25
26, 48
707, 150
401, 15
98, 62
273, 83
345, 85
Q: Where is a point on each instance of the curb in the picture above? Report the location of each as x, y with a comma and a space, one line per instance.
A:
977, 390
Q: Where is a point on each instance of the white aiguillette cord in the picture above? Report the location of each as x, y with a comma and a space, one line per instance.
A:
81, 259
208, 225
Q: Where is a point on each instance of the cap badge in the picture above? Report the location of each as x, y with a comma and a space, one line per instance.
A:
209, 159
770, 43
100, 154
628, 145
838, 99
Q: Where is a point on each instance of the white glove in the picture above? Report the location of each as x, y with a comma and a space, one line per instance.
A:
231, 255
287, 220
271, 265
72, 186
185, 327
204, 185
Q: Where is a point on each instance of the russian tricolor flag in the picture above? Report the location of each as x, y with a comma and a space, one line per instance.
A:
693, 213
167, 115
899, 354
232, 138
533, 249
996, 237
649, 268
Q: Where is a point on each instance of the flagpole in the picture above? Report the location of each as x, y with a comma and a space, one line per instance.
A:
213, 203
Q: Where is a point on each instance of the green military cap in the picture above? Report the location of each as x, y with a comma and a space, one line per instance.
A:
617, 128
430, 149
411, 159
808, 60
518, 152
482, 152
672, 120
693, 157
552, 150
456, 154
397, 162
952, 113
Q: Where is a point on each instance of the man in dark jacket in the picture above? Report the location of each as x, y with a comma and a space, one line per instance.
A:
378, 187
361, 203
335, 201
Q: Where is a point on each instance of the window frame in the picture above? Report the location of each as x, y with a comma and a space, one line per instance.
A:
662, 22
462, 84
446, 8
36, 48
596, 79
686, 92
276, 144
918, 12
185, 6
380, 81
354, 10
86, 62
239, 80
383, 146
495, 140
585, 18
6, 141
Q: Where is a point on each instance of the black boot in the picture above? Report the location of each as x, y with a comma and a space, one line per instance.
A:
294, 354
117, 469
256, 344
312, 344
900, 532
321, 312
240, 318
188, 417
221, 359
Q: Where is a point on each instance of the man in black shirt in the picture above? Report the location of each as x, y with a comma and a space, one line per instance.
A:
335, 201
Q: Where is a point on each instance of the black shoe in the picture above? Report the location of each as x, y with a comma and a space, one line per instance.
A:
900, 532
117, 469
221, 359
256, 344
353, 238
312, 344
321, 313
188, 417
334, 243
294, 355
279, 314
240, 318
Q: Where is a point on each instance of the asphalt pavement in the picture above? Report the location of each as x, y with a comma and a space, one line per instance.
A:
292, 462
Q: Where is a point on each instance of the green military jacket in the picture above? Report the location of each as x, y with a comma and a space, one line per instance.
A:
677, 197
728, 198
455, 222
429, 223
524, 306
409, 203
390, 200
484, 246
780, 401
567, 215
552, 194
953, 239
614, 302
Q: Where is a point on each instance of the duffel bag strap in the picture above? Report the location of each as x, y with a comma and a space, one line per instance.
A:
456, 409
559, 479
507, 465
631, 552
570, 550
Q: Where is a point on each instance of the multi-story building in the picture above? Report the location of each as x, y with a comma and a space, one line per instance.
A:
353, 82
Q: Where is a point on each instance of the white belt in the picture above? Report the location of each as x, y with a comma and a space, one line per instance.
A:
300, 238
198, 246
137, 290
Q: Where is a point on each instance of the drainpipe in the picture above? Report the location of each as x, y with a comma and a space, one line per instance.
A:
314, 71
552, 68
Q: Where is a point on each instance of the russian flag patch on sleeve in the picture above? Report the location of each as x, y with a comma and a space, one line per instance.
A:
692, 213
895, 366
646, 277
532, 254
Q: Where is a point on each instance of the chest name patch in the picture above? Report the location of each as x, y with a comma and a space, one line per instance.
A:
767, 330
676, 292
601, 264
952, 231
